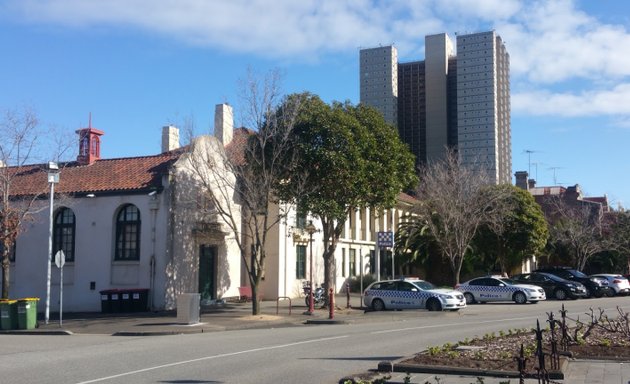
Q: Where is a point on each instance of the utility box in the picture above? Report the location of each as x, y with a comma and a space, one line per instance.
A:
188, 308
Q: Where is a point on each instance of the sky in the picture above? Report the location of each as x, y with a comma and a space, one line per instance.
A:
137, 65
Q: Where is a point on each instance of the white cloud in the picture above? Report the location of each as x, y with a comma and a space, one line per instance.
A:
612, 102
550, 42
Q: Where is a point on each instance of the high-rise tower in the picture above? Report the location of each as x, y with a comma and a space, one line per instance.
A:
460, 101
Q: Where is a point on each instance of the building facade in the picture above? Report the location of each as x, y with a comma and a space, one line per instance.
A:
459, 100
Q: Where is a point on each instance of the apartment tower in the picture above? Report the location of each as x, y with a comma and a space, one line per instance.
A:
459, 100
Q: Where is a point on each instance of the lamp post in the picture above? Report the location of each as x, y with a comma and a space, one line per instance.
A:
310, 229
53, 178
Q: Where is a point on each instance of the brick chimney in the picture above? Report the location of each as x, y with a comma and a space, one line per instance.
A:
170, 138
521, 179
223, 123
89, 144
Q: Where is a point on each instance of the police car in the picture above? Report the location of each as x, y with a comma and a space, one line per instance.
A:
411, 293
496, 288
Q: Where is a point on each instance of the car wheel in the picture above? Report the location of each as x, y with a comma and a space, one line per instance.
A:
610, 292
519, 298
434, 305
378, 305
470, 299
598, 293
560, 294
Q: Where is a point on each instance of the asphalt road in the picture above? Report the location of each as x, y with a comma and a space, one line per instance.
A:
302, 354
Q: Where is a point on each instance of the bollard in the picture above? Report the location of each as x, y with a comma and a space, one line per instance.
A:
347, 295
331, 306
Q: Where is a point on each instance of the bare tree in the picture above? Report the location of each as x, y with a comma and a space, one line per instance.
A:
19, 134
451, 207
580, 227
241, 182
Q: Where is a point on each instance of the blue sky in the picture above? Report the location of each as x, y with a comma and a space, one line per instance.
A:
137, 65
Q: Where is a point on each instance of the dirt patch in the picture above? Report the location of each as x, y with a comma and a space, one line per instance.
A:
260, 318
498, 352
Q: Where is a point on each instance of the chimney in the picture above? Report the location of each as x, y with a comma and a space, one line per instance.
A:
521, 179
170, 138
223, 123
531, 183
89, 144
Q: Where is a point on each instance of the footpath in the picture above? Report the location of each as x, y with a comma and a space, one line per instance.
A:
234, 316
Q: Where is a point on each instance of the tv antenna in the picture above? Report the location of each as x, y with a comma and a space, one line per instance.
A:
529, 159
555, 181
536, 164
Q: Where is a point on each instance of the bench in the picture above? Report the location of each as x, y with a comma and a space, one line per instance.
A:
245, 294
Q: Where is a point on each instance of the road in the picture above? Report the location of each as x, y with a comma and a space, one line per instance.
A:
302, 354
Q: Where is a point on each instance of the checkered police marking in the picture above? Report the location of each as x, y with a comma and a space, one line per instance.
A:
385, 239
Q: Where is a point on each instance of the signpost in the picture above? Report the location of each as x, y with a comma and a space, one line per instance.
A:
60, 260
386, 240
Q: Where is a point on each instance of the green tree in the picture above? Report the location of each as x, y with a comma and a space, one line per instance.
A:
517, 229
349, 158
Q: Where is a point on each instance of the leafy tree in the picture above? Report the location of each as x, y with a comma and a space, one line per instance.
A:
516, 230
348, 158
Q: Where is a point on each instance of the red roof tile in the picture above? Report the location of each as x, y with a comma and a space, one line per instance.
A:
102, 176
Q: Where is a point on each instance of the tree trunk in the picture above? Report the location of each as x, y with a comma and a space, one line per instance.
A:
5, 275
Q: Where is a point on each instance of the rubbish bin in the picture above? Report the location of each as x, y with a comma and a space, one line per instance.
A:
188, 308
114, 300
8, 315
126, 305
27, 313
140, 299
106, 304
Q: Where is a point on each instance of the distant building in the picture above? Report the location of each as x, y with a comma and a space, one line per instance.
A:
448, 100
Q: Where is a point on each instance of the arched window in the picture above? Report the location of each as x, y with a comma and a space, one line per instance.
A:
128, 233
64, 231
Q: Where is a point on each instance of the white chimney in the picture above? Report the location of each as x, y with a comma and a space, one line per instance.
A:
170, 138
223, 123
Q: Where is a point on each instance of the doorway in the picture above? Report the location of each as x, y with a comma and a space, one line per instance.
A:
207, 272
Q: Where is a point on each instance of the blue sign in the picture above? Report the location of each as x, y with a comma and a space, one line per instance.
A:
385, 239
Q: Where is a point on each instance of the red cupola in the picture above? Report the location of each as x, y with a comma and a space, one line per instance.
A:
89, 144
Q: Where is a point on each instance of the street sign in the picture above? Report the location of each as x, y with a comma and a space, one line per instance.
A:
385, 239
60, 259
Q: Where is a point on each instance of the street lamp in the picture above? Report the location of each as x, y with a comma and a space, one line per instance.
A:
310, 229
53, 178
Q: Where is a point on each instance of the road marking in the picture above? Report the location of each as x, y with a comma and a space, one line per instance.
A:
450, 325
210, 358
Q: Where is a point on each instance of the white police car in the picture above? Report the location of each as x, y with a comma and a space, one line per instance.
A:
496, 288
411, 293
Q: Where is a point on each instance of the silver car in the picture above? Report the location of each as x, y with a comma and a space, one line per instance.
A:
617, 284
496, 288
411, 293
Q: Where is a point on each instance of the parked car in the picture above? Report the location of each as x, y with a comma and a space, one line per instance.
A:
594, 286
497, 288
553, 285
617, 284
411, 293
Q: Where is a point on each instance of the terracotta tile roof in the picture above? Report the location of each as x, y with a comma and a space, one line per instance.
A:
103, 176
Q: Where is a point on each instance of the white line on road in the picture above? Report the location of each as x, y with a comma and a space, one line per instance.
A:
210, 358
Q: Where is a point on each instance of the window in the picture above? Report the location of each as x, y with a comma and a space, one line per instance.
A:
300, 220
353, 262
128, 233
64, 233
300, 262
343, 262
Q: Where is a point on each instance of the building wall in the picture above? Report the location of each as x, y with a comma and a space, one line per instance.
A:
94, 253
438, 50
378, 80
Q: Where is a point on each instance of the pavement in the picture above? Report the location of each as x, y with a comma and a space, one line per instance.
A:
235, 315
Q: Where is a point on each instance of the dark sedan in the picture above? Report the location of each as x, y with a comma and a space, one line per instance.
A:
553, 285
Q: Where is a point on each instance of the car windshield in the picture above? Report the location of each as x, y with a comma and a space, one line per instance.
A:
579, 274
424, 284
508, 281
